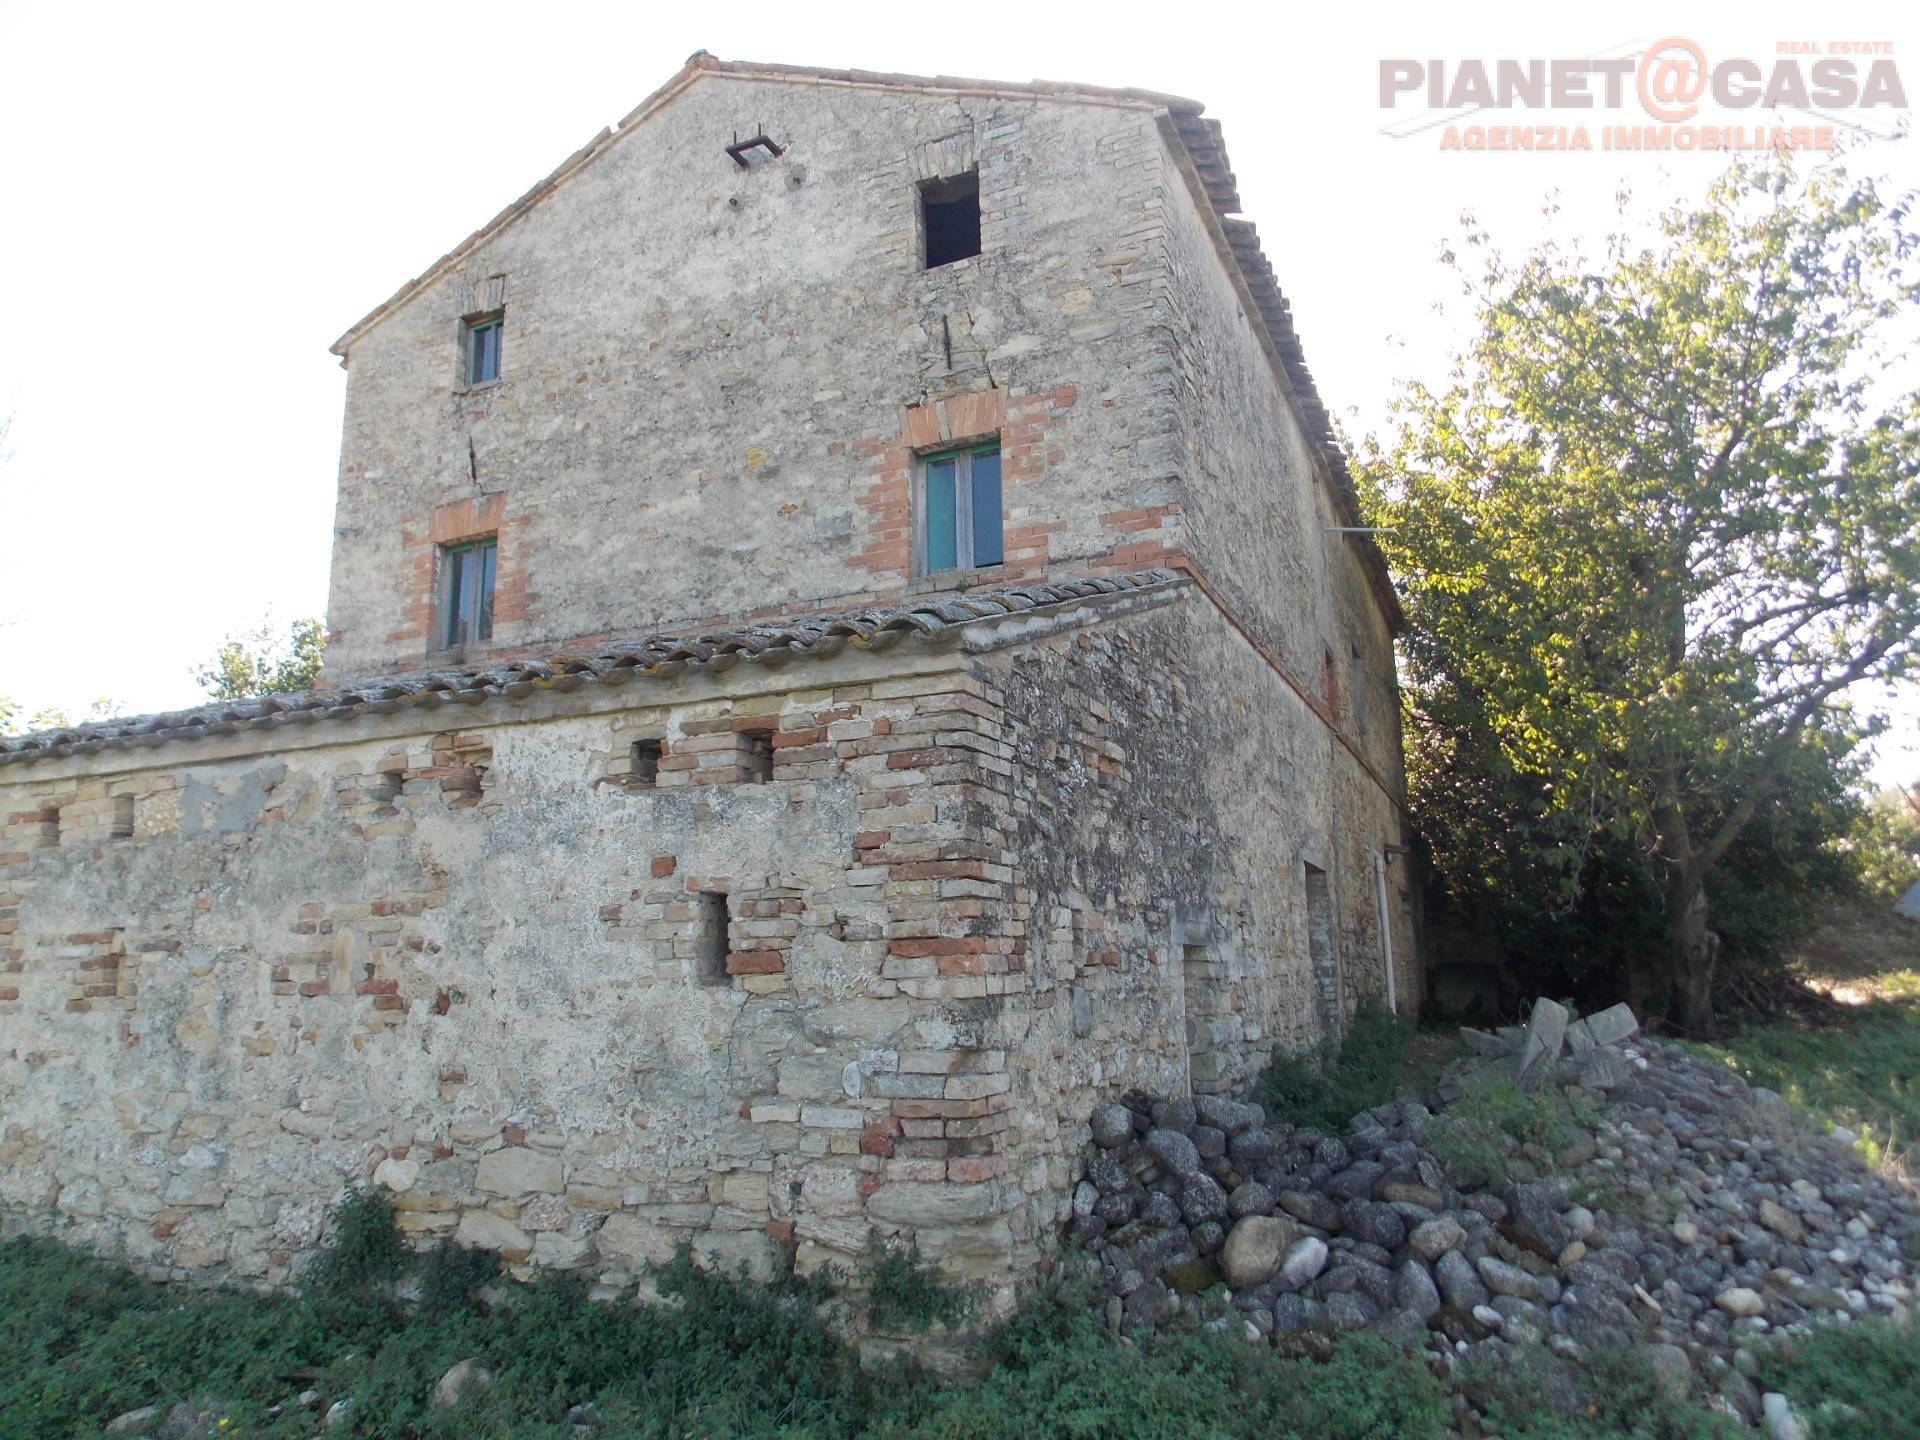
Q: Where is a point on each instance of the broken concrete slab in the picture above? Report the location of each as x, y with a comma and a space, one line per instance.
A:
1546, 1034
1612, 1025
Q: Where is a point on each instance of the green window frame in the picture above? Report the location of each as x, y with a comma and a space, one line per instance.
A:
485, 334
467, 572
958, 523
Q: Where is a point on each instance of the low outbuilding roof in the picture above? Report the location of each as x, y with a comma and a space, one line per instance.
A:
934, 619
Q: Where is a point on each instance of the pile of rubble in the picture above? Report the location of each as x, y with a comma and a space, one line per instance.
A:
1682, 1212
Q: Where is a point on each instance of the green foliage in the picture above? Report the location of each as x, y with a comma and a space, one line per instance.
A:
1862, 1072
365, 1255
1660, 522
1327, 1086
1534, 1395
1882, 848
13, 720
1054, 1372
1855, 1382
908, 1293
1481, 1132
86, 1340
451, 1277
262, 661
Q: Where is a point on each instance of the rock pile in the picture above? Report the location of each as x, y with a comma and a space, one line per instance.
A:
1684, 1213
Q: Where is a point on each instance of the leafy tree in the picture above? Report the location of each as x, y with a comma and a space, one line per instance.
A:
1660, 520
263, 662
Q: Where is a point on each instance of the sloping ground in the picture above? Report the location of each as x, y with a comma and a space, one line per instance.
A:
1653, 1204
1855, 1063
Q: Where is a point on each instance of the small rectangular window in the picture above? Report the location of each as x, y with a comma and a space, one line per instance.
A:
645, 766
466, 593
959, 525
756, 757
950, 219
710, 942
484, 334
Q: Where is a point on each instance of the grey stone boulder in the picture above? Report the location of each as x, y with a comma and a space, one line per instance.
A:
1303, 1262
468, 1375
1672, 1370
1533, 1212
1174, 1150
1373, 1224
1254, 1249
1229, 1116
1175, 1115
1251, 1148
1250, 1198
1112, 1126
1433, 1238
1459, 1282
1356, 1182
1161, 1211
1414, 1290
1351, 1310
1505, 1279
1310, 1208
1293, 1313
1202, 1199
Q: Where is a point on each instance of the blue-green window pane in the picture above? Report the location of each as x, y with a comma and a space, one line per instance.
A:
483, 620
466, 597
942, 517
986, 508
483, 359
455, 630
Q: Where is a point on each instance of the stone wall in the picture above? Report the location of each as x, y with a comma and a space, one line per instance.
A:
473, 963
686, 340
1169, 791
783, 960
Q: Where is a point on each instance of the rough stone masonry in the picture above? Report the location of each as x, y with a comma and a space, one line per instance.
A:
742, 878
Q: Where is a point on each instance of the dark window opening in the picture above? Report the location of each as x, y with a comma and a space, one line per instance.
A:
710, 944
466, 593
950, 218
484, 334
960, 526
645, 762
756, 757
1322, 956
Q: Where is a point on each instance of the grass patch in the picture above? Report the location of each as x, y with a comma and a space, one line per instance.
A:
1535, 1395
1855, 1382
1380, 1056
1862, 1069
1496, 1131
86, 1340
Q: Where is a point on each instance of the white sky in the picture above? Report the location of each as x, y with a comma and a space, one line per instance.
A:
200, 198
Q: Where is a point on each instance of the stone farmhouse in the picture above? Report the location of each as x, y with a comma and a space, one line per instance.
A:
849, 645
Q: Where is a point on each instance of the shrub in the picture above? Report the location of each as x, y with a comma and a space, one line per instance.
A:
1327, 1086
1857, 1382
907, 1293
1480, 1131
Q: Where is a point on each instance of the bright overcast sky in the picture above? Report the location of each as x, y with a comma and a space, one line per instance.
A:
201, 198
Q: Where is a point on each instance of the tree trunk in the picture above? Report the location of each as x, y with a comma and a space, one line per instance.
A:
1695, 951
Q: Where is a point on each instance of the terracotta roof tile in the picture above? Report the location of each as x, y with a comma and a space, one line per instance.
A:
931, 619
